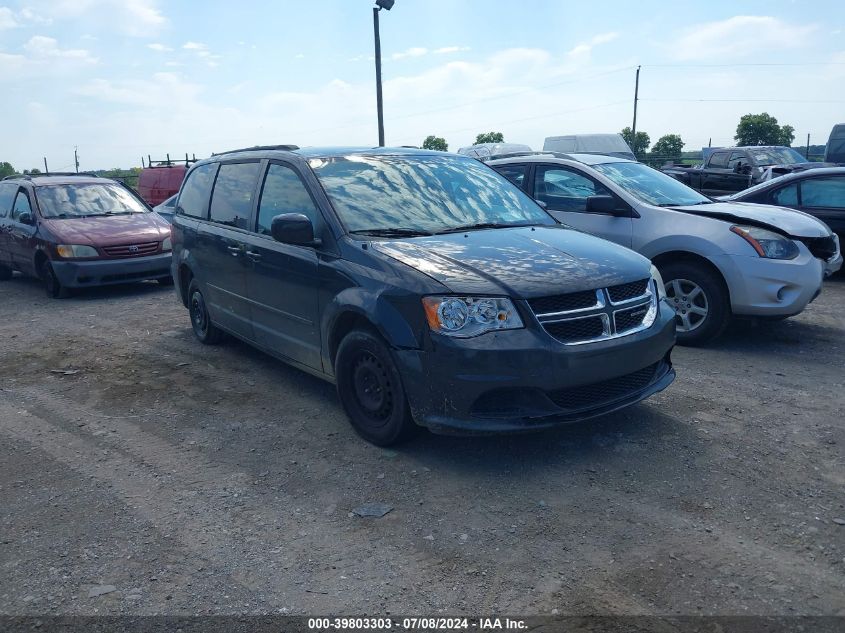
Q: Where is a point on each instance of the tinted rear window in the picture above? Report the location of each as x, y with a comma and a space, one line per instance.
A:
195, 193
231, 202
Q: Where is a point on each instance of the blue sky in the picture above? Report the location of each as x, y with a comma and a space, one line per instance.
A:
126, 78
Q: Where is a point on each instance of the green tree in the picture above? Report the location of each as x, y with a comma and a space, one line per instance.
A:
763, 129
32, 172
490, 137
668, 146
6, 169
436, 143
638, 145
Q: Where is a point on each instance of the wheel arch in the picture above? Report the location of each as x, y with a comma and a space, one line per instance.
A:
671, 257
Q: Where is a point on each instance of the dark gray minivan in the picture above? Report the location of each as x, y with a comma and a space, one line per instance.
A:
427, 286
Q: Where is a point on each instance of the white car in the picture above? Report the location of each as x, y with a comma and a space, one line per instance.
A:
717, 259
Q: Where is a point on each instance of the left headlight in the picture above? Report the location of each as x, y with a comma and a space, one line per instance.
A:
167, 244
76, 251
463, 317
658, 281
767, 243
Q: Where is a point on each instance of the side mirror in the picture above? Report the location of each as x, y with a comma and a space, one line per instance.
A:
293, 228
746, 169
26, 218
607, 205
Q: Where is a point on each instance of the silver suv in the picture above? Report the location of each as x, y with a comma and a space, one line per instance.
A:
717, 259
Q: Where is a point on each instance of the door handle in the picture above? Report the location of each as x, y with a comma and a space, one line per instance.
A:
235, 250
253, 255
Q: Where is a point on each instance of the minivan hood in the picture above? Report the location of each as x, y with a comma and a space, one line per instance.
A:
108, 230
523, 262
780, 219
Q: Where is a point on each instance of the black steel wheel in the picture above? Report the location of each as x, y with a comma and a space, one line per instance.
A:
205, 331
52, 286
370, 389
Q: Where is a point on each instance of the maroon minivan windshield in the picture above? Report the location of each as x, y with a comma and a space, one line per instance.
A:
86, 200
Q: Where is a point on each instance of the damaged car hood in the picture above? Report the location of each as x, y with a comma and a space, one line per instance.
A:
782, 220
522, 262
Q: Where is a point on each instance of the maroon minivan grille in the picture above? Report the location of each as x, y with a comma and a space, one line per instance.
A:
132, 250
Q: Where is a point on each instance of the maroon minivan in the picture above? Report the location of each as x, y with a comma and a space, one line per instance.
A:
75, 231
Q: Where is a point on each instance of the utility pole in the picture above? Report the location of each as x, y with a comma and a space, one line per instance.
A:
808, 146
636, 99
46, 171
379, 102
76, 158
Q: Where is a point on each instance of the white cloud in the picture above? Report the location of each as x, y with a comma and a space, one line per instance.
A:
201, 50
7, 19
195, 46
585, 48
739, 36
42, 48
136, 18
416, 51
159, 48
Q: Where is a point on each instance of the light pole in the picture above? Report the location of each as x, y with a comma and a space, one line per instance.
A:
387, 5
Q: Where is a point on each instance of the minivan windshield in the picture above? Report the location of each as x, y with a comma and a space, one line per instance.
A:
407, 195
86, 200
651, 186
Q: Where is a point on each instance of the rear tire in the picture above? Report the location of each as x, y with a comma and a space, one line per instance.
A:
370, 389
52, 286
206, 332
5, 273
700, 299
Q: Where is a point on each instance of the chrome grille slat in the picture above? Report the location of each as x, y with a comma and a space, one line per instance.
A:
131, 250
605, 319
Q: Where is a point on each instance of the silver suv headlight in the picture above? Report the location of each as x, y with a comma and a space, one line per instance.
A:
167, 244
767, 243
464, 317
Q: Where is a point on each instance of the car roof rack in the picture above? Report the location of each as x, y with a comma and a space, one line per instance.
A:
259, 148
168, 162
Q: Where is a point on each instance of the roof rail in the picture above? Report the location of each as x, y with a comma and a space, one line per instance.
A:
259, 148
86, 174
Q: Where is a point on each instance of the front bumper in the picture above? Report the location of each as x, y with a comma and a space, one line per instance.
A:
524, 380
102, 272
772, 287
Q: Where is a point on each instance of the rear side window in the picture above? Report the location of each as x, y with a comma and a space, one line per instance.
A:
736, 159
7, 197
787, 196
283, 192
231, 201
719, 160
823, 193
195, 193
514, 173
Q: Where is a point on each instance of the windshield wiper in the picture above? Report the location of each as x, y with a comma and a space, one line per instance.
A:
400, 232
483, 225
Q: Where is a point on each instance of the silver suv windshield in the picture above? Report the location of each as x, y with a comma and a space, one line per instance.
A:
650, 185
86, 200
395, 195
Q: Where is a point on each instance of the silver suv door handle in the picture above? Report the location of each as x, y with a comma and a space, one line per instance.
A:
253, 255
235, 250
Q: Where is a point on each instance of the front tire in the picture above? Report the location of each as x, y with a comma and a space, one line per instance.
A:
165, 281
370, 389
52, 286
206, 332
700, 300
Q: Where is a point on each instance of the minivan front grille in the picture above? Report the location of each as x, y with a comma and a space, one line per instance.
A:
132, 250
595, 315
575, 398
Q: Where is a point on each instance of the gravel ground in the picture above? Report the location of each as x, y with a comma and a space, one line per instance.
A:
142, 473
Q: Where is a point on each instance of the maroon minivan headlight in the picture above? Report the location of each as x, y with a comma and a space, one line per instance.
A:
76, 251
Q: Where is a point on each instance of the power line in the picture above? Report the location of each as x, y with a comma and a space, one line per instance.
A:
732, 65
746, 100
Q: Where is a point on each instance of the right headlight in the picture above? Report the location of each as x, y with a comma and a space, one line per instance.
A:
464, 317
767, 243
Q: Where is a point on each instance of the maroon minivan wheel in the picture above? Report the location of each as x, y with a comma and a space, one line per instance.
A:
52, 285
